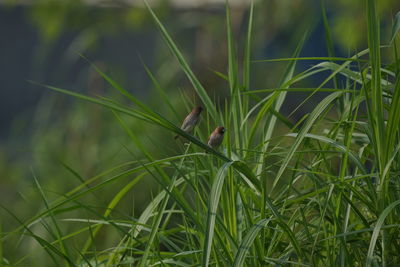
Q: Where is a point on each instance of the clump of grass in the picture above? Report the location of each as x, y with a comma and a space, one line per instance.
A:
325, 192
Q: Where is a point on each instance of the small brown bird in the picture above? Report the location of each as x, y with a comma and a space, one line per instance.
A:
191, 120
216, 137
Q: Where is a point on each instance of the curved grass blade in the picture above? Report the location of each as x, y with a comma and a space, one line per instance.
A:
58, 231
247, 241
346, 234
156, 224
161, 121
212, 211
75, 194
46, 245
254, 108
271, 119
310, 58
294, 90
113, 203
354, 75
377, 229
336, 144
304, 130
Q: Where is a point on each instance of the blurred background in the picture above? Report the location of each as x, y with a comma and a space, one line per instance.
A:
59, 140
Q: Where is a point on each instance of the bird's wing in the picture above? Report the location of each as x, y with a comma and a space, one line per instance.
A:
189, 122
185, 122
211, 139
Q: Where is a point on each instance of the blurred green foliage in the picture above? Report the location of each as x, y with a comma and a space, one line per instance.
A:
349, 22
53, 18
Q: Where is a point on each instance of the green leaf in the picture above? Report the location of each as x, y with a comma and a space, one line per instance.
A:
247, 50
376, 116
377, 229
212, 211
336, 144
393, 120
247, 241
272, 119
304, 130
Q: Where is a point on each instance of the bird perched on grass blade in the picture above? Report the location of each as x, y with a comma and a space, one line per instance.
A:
191, 120
216, 137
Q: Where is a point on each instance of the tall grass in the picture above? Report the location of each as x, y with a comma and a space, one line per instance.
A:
324, 192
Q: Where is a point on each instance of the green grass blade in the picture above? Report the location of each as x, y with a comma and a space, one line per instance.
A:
113, 203
356, 160
155, 226
45, 244
125, 93
304, 130
160, 89
51, 214
247, 50
393, 121
142, 116
247, 242
377, 229
209, 105
310, 58
377, 120
271, 119
232, 65
212, 211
